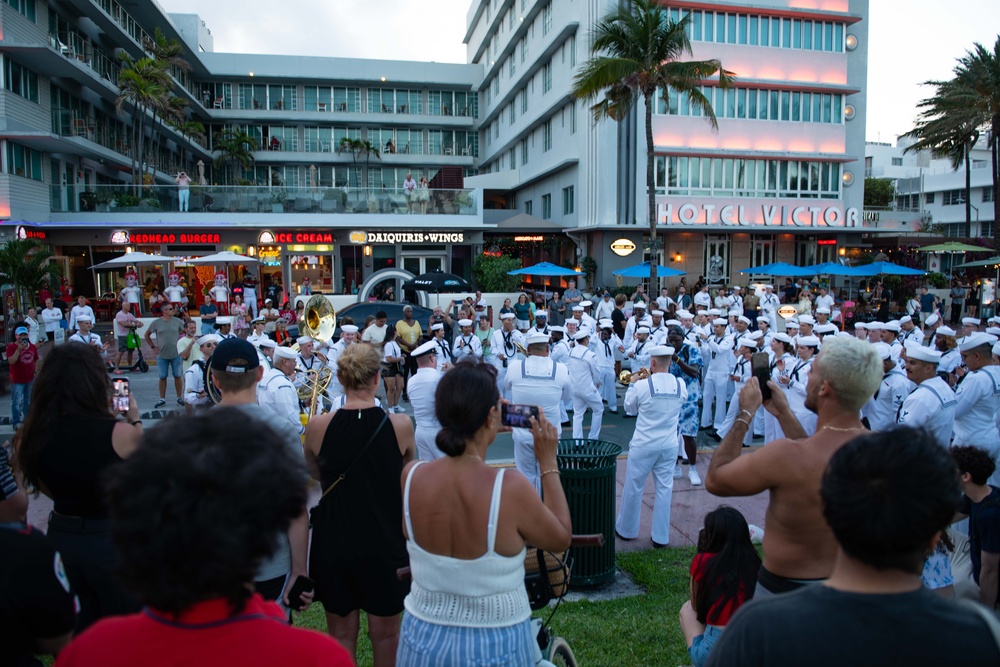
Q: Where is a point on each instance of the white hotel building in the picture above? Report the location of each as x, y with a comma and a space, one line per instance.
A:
499, 137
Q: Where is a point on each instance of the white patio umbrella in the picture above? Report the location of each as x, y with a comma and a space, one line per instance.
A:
133, 258
225, 258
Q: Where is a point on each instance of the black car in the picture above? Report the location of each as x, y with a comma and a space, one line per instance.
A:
393, 311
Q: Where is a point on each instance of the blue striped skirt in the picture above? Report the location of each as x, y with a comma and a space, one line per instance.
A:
423, 644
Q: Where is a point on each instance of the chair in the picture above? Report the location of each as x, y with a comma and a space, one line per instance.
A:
385, 109
342, 106
467, 150
321, 106
218, 103
401, 109
329, 205
303, 204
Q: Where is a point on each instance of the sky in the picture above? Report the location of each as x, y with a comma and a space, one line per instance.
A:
911, 41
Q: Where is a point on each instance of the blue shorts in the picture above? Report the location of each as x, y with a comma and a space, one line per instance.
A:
702, 645
423, 644
163, 365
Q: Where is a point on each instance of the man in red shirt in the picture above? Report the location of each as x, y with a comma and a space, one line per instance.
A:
22, 356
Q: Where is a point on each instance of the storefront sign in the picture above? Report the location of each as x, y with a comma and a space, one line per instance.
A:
870, 216
769, 215
826, 242
140, 238
269, 256
411, 237
528, 239
302, 237
265, 238
359, 237
622, 247
25, 233
787, 311
119, 237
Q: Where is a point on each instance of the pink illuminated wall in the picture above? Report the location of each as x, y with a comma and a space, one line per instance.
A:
692, 133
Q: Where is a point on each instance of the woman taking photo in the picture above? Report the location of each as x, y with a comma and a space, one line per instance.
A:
467, 525
357, 452
70, 438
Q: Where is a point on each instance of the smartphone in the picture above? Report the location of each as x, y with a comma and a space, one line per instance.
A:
302, 585
121, 394
517, 416
762, 371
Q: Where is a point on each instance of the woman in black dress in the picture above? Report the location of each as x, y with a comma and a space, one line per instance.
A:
357, 541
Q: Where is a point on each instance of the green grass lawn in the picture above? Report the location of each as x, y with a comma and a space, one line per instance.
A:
639, 630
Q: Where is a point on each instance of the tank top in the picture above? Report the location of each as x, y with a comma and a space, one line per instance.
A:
483, 592
74, 459
365, 511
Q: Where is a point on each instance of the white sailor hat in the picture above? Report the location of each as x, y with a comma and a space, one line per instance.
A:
975, 340
661, 351
807, 319
685, 314
208, 338
891, 325
932, 319
558, 329
349, 328
506, 316
883, 350
302, 340
639, 304
587, 304
284, 353
823, 309
437, 327
993, 319
756, 335
675, 323
581, 334
713, 311
535, 338
744, 318
573, 321
971, 321
993, 331
642, 330
427, 348
946, 331
764, 319
468, 322
606, 324
734, 313
747, 342
538, 313
659, 313
808, 341
875, 326
846, 334
860, 325
825, 329
783, 337
768, 286
904, 319
577, 309
223, 321
266, 342
84, 318
720, 322
792, 324
917, 351
605, 320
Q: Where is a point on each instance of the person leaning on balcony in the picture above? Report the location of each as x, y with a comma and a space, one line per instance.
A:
183, 191
410, 191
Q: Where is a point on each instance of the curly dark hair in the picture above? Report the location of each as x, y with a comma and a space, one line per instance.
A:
196, 509
975, 461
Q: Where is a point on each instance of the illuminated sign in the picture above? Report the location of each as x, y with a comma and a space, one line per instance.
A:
119, 237
144, 238
359, 237
25, 233
303, 237
788, 310
766, 215
622, 247
412, 237
265, 238
269, 256
528, 239
826, 242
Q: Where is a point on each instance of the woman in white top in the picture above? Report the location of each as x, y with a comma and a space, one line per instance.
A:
467, 524
51, 317
34, 333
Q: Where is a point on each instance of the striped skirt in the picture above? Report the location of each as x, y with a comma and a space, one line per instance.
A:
423, 644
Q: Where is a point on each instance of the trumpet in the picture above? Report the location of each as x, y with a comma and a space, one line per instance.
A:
625, 377
521, 348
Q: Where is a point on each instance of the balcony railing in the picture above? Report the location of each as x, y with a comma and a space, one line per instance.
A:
260, 199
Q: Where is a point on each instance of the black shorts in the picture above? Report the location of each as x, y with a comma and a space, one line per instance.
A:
390, 370
51, 335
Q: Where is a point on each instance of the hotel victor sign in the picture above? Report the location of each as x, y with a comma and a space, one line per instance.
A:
800, 214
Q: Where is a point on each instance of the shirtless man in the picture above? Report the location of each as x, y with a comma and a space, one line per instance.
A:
799, 548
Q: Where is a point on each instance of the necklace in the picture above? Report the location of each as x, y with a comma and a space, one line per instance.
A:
845, 430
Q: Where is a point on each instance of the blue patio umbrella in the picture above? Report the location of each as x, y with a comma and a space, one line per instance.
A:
777, 269
827, 268
878, 268
642, 271
544, 269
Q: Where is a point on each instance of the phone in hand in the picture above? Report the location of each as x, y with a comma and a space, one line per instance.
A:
302, 585
762, 371
517, 416
121, 394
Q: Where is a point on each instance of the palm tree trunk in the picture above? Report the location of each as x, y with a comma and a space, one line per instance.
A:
654, 282
995, 168
968, 189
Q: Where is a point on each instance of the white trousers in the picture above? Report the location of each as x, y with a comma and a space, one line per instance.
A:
581, 402
524, 458
250, 299
641, 462
607, 390
425, 439
772, 429
713, 408
733, 413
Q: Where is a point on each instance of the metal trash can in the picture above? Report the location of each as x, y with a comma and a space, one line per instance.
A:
587, 469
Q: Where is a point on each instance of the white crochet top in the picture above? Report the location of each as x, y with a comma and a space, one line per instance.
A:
484, 592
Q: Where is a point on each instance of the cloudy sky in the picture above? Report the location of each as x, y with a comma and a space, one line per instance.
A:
907, 47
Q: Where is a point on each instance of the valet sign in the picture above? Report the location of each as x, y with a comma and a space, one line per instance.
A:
749, 215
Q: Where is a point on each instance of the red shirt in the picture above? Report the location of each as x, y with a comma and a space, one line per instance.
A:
724, 608
206, 635
23, 371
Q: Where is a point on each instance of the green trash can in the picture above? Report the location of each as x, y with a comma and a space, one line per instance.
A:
587, 469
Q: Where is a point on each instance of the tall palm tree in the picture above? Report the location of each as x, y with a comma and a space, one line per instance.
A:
24, 263
235, 147
144, 85
358, 148
636, 50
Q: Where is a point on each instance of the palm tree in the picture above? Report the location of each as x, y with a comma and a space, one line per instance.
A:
235, 147
358, 148
24, 263
144, 85
636, 51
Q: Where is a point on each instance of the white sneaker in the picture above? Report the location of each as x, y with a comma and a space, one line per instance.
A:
678, 473
693, 476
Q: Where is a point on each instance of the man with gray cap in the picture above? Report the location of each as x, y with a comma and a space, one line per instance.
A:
586, 379
931, 404
423, 387
654, 447
882, 408
276, 395
978, 398
535, 380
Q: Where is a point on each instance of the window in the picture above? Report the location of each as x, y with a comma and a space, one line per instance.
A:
897, 162
524, 49
512, 158
952, 198
529, 207
721, 27
524, 152
511, 18
24, 161
546, 77
524, 100
547, 136
546, 207
511, 113
511, 66
572, 118
988, 194
726, 177
496, 86
572, 51
25, 7
930, 198
546, 19
496, 130
20, 80
568, 200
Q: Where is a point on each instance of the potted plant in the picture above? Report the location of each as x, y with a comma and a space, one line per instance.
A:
103, 199
278, 197
465, 203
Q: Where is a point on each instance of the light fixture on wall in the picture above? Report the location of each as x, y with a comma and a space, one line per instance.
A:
251, 251
848, 178
851, 42
842, 251
677, 257
849, 111
368, 251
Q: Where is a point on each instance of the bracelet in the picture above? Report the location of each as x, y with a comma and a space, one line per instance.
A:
748, 413
546, 472
137, 421
743, 421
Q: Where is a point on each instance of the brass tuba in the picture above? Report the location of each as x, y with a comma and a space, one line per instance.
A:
320, 324
628, 378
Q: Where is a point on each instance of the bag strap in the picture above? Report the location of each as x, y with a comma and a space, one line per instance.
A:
342, 475
988, 617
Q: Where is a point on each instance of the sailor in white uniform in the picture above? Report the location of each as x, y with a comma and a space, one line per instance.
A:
978, 398
504, 345
606, 347
782, 361
422, 389
740, 374
276, 395
559, 351
769, 306
586, 379
932, 403
194, 377
467, 345
798, 379
882, 408
718, 353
